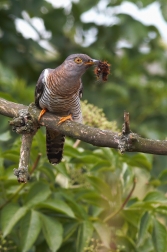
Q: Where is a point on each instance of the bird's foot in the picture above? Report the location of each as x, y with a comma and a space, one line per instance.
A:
43, 111
65, 118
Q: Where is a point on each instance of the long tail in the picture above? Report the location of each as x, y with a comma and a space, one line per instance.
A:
54, 145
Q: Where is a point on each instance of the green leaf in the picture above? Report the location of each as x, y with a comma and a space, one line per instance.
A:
13, 219
144, 225
38, 193
57, 205
139, 160
48, 173
84, 235
159, 237
78, 209
162, 209
95, 199
69, 229
132, 216
87, 5
41, 141
164, 9
90, 159
147, 246
84, 156
53, 232
71, 151
101, 166
155, 197
30, 229
104, 233
155, 182
86, 159
126, 240
101, 186
5, 136
7, 214
163, 176
12, 155
61, 168
7, 96
108, 154
2, 169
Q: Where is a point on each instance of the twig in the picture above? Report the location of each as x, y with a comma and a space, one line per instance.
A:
77, 142
123, 204
35, 163
130, 193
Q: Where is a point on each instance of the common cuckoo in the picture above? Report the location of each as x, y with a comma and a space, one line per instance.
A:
59, 91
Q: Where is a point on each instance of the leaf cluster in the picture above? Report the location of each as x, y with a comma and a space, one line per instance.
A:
77, 205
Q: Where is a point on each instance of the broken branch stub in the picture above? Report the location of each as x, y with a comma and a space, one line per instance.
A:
126, 138
24, 124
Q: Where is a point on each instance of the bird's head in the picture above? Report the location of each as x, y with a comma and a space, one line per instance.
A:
79, 63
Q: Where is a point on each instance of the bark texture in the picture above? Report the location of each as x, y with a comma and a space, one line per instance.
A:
125, 141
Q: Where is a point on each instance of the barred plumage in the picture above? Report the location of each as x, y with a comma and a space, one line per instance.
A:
59, 91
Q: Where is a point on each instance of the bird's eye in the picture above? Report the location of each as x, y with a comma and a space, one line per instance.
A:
78, 60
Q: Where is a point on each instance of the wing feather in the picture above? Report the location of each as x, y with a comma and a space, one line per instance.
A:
39, 88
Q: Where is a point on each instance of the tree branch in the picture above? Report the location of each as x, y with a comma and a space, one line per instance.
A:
131, 142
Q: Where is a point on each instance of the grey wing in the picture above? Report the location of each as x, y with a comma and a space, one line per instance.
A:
39, 88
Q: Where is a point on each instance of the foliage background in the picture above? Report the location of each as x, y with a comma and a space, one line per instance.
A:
76, 205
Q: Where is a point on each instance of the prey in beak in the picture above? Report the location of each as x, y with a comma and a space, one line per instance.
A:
102, 70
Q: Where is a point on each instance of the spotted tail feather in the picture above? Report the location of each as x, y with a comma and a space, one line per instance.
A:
54, 145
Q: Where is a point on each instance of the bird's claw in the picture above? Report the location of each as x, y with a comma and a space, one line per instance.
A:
65, 118
43, 111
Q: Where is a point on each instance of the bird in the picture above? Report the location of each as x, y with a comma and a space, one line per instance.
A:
59, 91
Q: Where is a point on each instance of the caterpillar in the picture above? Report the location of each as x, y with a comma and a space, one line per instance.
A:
102, 70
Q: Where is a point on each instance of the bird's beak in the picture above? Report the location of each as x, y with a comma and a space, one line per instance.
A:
95, 62
92, 62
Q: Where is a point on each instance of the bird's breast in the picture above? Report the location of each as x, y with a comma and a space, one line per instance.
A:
61, 95
59, 101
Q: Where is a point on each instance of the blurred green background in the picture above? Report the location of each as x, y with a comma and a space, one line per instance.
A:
91, 183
